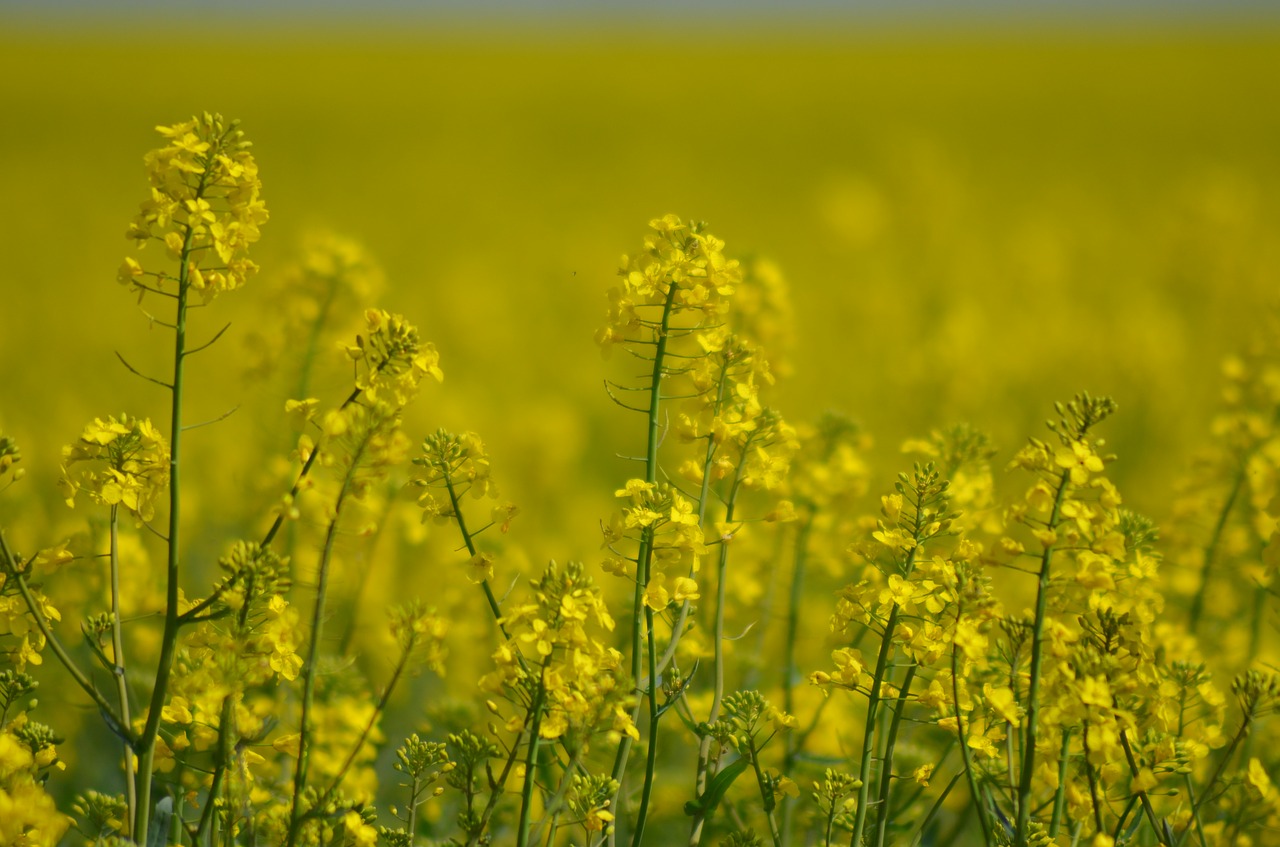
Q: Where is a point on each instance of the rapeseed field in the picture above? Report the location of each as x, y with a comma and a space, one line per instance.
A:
354, 490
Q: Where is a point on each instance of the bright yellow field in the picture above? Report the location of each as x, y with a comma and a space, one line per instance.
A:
971, 226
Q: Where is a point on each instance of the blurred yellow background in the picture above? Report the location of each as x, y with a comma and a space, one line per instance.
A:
973, 223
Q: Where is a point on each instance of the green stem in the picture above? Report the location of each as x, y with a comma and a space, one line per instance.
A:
1217, 774
224, 753
1142, 795
979, 801
118, 671
378, 710
765, 796
313, 651
1037, 669
469, 540
1211, 549
169, 638
530, 768
704, 746
791, 743
651, 476
869, 726
651, 758
37, 614
1098, 826
886, 766
1060, 797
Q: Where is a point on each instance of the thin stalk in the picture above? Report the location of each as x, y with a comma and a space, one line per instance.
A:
651, 759
313, 651
704, 746
496, 792
1211, 549
378, 710
224, 752
754, 756
650, 475
933, 810
886, 765
1217, 774
37, 614
869, 726
556, 804
169, 639
791, 743
1060, 797
978, 800
1037, 670
1142, 795
469, 540
1195, 817
530, 768
1098, 826
118, 671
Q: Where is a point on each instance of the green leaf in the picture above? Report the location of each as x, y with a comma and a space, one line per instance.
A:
706, 804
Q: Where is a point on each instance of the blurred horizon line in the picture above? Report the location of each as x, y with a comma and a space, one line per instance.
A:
670, 18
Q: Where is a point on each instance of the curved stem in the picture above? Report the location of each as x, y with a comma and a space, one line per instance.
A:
64, 658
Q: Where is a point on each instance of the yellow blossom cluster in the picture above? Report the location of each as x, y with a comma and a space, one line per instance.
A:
122, 462
557, 656
205, 208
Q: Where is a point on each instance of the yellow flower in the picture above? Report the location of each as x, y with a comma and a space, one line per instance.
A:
1258, 779
480, 568
1078, 462
1002, 701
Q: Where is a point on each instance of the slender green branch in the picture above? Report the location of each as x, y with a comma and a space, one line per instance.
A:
886, 765
869, 726
1037, 669
1211, 549
1142, 795
169, 638
530, 767
651, 476
1060, 796
37, 614
469, 540
651, 757
979, 801
313, 649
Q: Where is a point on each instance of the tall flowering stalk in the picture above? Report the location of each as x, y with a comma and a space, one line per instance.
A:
672, 292
205, 209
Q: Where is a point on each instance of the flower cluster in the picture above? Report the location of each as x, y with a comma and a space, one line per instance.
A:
556, 654
681, 270
122, 462
205, 199
390, 359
